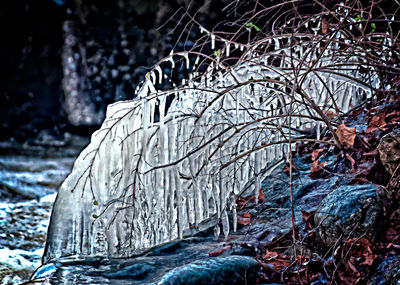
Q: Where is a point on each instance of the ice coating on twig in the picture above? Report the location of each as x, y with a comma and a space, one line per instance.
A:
149, 176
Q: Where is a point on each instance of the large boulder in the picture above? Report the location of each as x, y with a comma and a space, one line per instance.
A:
349, 211
220, 270
389, 151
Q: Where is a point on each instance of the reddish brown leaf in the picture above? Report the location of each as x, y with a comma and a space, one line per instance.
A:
330, 114
276, 260
371, 153
352, 267
391, 245
286, 169
242, 201
315, 153
261, 195
346, 135
393, 116
220, 251
377, 121
308, 218
352, 161
317, 166
325, 26
271, 255
244, 219
360, 250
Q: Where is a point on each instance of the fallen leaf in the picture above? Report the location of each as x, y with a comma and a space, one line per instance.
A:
377, 121
393, 116
270, 255
261, 195
346, 135
325, 26
244, 219
220, 251
371, 153
315, 153
276, 260
286, 169
352, 161
391, 245
317, 166
242, 201
308, 218
330, 114
360, 250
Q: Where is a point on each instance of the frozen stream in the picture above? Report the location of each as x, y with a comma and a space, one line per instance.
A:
29, 178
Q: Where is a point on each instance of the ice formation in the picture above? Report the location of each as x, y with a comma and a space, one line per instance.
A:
157, 168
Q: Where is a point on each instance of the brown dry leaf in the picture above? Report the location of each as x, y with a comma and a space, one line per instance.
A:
330, 114
360, 250
352, 161
242, 201
315, 153
393, 116
270, 255
325, 26
220, 251
276, 260
317, 166
286, 169
261, 195
371, 153
308, 218
377, 121
346, 135
391, 245
244, 219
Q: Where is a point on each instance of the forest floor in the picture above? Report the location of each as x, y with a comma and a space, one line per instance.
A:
355, 258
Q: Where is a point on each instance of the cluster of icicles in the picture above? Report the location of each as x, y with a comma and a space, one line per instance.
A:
155, 170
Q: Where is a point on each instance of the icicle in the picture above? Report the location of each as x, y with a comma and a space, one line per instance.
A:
216, 231
277, 44
171, 60
186, 56
241, 47
212, 41
225, 224
160, 73
153, 78
228, 49
234, 216
257, 168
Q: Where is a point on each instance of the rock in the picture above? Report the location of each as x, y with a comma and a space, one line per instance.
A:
389, 150
388, 272
349, 211
134, 271
226, 270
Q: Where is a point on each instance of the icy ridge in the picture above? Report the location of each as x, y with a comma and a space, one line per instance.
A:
153, 169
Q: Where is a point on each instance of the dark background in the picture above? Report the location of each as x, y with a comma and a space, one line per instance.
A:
63, 62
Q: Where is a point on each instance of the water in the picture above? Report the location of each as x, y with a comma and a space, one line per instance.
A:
29, 178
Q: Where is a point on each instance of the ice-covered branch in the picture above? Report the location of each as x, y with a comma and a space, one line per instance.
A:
169, 160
